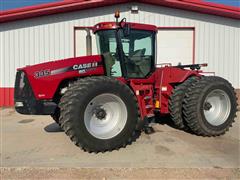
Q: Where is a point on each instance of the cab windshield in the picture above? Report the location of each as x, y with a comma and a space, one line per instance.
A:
137, 49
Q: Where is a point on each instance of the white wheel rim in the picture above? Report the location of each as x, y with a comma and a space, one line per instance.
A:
217, 107
105, 116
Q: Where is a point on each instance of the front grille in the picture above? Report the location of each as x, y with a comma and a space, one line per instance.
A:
23, 89
23, 94
25, 101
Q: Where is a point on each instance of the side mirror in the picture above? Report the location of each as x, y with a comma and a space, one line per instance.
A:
126, 30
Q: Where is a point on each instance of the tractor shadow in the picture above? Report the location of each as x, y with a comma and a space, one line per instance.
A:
166, 120
53, 128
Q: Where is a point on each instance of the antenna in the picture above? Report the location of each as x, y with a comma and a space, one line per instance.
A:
117, 15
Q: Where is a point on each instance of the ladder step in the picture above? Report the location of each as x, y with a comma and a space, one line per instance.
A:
148, 106
147, 97
150, 115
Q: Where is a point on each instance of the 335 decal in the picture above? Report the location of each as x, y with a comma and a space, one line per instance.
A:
42, 73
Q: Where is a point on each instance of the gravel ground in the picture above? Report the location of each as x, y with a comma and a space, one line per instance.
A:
34, 147
119, 173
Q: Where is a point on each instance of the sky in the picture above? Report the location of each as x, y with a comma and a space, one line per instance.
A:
227, 2
12, 4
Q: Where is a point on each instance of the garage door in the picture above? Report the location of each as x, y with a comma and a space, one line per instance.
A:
80, 43
175, 46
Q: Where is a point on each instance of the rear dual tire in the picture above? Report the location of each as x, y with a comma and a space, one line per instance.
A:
205, 105
210, 106
176, 103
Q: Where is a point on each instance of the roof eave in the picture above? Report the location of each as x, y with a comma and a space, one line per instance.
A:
68, 6
200, 7
54, 8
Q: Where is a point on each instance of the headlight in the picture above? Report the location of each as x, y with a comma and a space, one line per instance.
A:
22, 83
18, 104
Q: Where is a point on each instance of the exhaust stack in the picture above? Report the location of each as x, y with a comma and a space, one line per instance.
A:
88, 42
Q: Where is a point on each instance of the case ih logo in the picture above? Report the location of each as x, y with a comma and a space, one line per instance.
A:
82, 68
85, 66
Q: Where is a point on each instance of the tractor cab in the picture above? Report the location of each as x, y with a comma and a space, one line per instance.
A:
128, 48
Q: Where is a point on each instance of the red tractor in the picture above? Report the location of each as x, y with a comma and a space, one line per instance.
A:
103, 102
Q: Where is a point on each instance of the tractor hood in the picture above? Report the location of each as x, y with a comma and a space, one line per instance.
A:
46, 77
62, 63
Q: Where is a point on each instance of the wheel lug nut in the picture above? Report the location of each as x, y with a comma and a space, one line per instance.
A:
207, 106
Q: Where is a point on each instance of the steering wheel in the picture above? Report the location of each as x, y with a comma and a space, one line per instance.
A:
123, 20
128, 60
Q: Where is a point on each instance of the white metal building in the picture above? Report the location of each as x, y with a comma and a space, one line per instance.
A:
189, 32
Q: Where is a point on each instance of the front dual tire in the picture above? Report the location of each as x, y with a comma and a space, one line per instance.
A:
100, 114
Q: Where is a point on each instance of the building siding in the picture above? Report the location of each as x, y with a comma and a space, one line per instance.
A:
47, 38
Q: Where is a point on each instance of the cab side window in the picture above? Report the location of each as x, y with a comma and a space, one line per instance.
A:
140, 58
